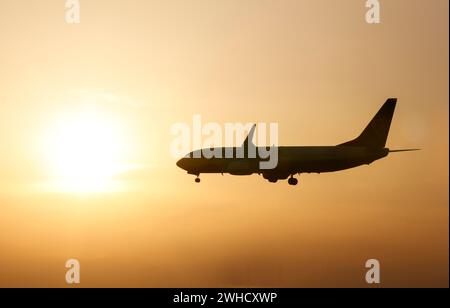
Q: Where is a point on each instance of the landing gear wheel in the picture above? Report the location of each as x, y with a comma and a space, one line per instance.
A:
293, 181
197, 180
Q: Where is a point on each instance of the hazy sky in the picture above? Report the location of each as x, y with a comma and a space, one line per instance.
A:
131, 69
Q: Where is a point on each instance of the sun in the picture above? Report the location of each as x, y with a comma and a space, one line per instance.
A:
85, 151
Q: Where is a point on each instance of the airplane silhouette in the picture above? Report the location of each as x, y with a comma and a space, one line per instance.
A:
364, 150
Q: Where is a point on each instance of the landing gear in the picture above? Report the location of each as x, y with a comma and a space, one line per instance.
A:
292, 181
197, 180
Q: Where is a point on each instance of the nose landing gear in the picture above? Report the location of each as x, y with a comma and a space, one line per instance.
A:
197, 180
292, 181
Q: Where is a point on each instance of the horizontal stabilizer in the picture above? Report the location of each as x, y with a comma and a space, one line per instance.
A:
405, 150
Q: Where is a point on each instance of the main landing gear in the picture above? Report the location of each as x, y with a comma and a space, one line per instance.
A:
197, 179
292, 181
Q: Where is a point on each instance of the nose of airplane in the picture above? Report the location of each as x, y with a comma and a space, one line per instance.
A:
180, 163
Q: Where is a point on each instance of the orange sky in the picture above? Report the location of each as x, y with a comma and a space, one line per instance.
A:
315, 67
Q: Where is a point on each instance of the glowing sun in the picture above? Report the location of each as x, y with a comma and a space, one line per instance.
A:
85, 151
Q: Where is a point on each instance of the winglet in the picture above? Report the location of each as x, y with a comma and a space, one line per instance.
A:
249, 139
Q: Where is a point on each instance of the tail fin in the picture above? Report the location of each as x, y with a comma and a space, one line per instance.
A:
376, 133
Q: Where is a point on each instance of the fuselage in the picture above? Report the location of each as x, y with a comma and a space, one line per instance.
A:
368, 147
291, 160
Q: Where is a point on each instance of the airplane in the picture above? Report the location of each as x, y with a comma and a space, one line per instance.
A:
292, 160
